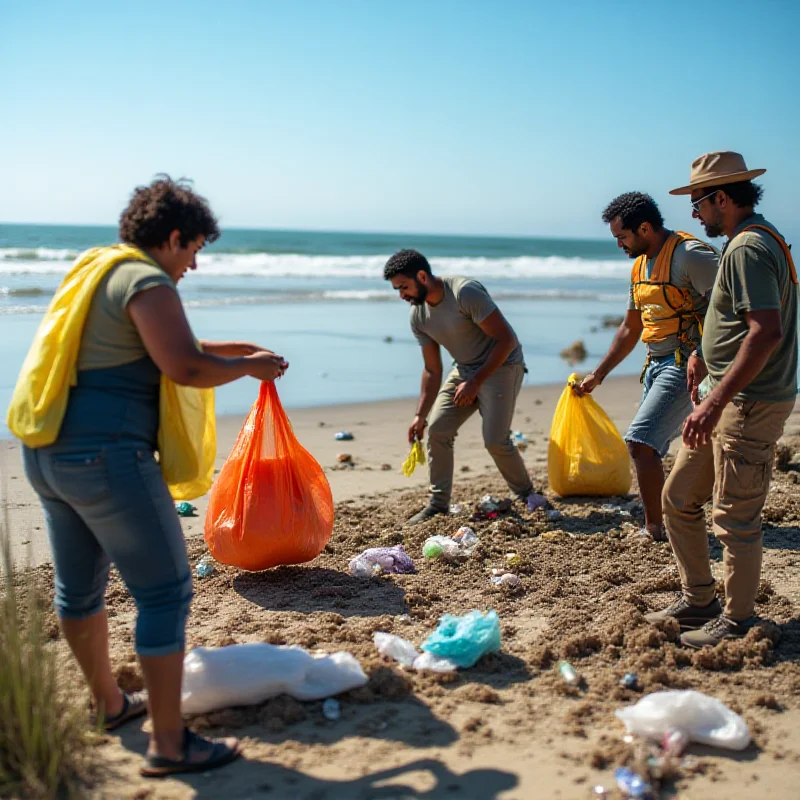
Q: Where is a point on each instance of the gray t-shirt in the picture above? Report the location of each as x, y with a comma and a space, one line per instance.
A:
694, 267
454, 323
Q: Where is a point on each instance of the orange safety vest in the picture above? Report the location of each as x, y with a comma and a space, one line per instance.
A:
667, 310
787, 251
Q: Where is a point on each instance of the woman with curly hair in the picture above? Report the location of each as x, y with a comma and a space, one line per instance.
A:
101, 487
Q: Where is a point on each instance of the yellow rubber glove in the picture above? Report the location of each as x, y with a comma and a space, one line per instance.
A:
416, 456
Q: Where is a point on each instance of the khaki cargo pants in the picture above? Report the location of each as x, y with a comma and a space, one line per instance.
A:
734, 470
496, 401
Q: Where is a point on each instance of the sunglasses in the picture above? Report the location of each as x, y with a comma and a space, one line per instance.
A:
696, 203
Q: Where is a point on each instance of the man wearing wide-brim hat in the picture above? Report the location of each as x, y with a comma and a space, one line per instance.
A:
749, 357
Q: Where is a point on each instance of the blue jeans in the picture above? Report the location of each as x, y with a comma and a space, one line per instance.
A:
665, 405
105, 502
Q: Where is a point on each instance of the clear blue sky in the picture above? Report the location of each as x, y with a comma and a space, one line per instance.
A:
492, 117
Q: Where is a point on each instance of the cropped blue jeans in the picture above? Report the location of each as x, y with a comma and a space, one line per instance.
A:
105, 502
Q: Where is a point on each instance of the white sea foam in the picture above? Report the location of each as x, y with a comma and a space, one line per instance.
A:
292, 265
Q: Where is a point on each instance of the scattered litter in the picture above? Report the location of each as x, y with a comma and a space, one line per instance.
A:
205, 566
415, 457
405, 619
185, 509
464, 640
536, 501
451, 548
520, 440
508, 579
513, 559
377, 560
600, 792
331, 709
568, 673
675, 741
631, 784
702, 718
343, 436
344, 458
456, 508
490, 507
608, 508
248, 674
404, 653
629, 680
554, 515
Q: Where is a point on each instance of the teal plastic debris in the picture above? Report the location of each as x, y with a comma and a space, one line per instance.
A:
185, 509
464, 640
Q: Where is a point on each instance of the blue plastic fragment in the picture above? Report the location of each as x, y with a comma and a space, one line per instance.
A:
464, 640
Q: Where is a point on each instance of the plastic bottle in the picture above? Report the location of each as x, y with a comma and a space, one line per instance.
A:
205, 567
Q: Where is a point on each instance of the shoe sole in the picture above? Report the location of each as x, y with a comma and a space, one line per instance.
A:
693, 646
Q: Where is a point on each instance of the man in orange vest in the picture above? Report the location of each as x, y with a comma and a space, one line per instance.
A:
749, 349
671, 278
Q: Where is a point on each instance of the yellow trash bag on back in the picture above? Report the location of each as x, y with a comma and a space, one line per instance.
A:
187, 427
586, 454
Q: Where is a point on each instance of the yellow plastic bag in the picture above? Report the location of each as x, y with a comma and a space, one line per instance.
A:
187, 427
415, 457
586, 454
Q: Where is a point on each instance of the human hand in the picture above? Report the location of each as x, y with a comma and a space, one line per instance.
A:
696, 372
587, 385
466, 392
417, 429
250, 349
266, 366
699, 425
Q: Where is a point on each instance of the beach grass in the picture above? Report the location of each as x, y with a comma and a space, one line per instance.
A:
46, 743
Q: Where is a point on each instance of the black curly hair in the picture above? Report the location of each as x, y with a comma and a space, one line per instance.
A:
406, 262
743, 194
162, 207
634, 208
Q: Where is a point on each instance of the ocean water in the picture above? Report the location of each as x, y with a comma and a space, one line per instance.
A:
319, 300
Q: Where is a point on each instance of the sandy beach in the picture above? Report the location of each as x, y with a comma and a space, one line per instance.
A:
507, 728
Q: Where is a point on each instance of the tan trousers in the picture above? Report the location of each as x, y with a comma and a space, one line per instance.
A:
496, 401
735, 469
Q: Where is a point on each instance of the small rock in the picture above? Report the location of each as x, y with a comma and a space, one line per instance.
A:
575, 352
344, 458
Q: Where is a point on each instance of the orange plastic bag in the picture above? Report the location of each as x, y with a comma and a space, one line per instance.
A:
271, 504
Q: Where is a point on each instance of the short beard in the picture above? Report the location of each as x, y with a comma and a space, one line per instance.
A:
422, 294
714, 230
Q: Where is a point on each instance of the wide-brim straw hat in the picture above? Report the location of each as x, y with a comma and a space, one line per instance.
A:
717, 169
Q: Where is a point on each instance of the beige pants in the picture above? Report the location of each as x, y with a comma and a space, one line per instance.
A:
735, 469
496, 401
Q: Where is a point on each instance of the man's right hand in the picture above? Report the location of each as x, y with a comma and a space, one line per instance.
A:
587, 385
417, 429
696, 372
266, 366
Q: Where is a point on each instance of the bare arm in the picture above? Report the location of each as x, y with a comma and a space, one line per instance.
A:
496, 327
231, 349
431, 383
161, 322
625, 339
764, 335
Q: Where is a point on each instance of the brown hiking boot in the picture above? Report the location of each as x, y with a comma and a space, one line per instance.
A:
712, 633
688, 616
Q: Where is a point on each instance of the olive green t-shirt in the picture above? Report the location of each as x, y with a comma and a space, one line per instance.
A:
753, 276
454, 323
110, 338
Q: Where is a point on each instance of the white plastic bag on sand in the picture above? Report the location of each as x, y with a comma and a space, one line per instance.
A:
704, 719
247, 674
404, 653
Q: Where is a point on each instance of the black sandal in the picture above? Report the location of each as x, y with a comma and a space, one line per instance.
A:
133, 705
219, 755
